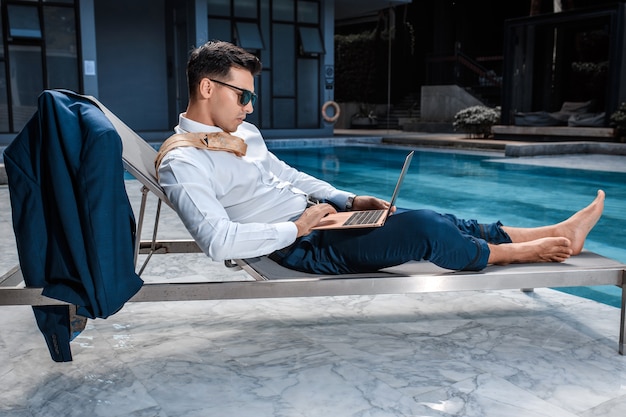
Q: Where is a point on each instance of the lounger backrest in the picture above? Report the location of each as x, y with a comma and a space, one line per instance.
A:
138, 155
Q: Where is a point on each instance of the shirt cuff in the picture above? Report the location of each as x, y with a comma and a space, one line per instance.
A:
287, 233
340, 198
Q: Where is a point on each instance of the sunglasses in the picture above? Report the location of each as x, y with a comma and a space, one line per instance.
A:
245, 97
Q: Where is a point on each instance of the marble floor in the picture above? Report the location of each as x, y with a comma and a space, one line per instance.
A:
473, 354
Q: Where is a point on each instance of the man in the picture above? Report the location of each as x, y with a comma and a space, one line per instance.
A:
240, 206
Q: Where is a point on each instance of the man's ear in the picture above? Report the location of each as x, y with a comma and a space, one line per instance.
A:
205, 87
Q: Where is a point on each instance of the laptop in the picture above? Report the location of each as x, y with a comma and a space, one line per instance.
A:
365, 218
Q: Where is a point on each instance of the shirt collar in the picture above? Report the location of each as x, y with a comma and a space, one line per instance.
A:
189, 125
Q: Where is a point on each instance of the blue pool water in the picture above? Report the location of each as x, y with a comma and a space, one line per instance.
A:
480, 187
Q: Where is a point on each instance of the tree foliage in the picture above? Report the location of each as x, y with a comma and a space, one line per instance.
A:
358, 70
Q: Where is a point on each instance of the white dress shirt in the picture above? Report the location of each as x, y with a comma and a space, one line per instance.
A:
238, 207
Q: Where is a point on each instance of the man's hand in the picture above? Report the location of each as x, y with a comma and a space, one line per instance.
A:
312, 216
366, 202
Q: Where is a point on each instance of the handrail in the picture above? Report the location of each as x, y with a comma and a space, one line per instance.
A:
475, 67
471, 64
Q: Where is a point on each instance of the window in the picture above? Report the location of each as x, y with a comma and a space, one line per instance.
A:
283, 10
220, 29
61, 50
248, 35
311, 40
284, 57
26, 71
287, 36
240, 27
219, 7
41, 45
246, 9
4, 105
24, 21
308, 12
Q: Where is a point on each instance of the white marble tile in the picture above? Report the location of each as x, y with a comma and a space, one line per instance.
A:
8, 249
489, 396
471, 354
382, 355
613, 408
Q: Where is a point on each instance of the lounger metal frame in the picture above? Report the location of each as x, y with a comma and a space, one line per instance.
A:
273, 281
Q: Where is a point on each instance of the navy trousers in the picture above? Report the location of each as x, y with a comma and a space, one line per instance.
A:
414, 235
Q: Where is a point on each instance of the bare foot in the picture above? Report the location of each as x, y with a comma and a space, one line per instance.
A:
549, 249
577, 227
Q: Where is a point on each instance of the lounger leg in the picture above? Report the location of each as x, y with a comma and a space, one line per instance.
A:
154, 236
622, 330
142, 210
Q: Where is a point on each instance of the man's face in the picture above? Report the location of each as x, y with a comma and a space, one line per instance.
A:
226, 110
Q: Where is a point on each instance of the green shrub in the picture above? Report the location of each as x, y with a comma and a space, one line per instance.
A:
618, 117
358, 69
476, 120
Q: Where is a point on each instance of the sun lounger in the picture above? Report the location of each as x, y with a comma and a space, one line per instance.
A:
274, 281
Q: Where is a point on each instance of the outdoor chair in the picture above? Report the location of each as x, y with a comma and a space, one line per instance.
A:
274, 281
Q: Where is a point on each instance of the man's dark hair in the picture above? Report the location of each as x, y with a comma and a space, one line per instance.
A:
214, 59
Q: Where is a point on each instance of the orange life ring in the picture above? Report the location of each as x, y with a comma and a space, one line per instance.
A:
334, 117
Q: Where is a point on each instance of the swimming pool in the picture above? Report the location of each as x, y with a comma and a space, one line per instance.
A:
479, 186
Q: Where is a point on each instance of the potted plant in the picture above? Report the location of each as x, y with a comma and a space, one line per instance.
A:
476, 121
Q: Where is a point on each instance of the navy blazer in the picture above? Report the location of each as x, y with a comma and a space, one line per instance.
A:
73, 223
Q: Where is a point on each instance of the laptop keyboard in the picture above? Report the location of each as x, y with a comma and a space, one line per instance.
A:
364, 217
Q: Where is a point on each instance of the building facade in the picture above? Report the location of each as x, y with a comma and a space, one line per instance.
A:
131, 55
